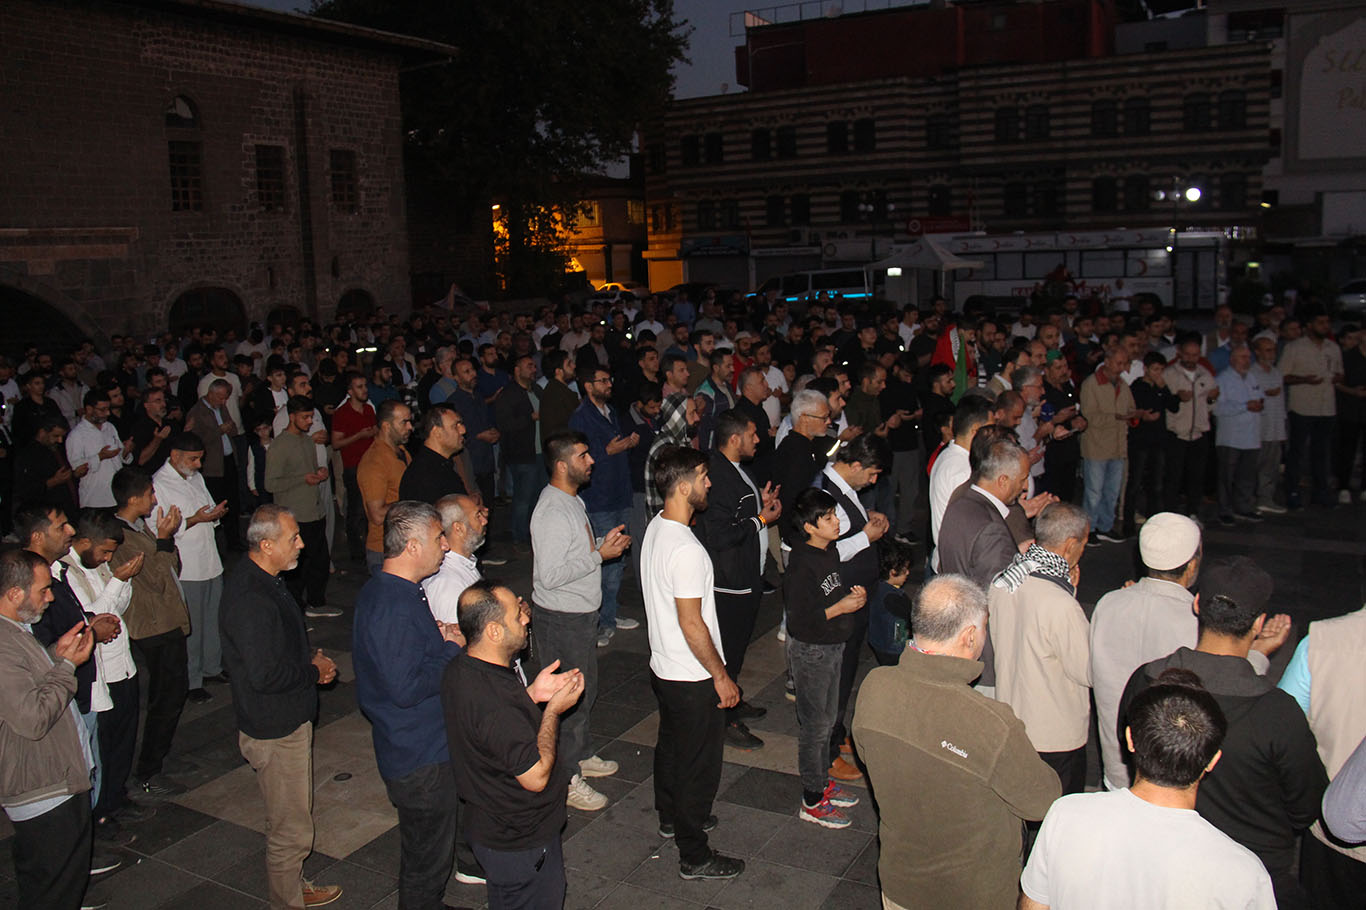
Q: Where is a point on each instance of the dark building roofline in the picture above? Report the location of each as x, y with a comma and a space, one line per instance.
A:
318, 29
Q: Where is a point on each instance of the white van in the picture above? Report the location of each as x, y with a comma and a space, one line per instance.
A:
805, 287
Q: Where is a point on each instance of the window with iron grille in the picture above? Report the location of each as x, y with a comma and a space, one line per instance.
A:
1233, 110
837, 137
1007, 126
1036, 122
1015, 200
1197, 114
1137, 198
1104, 194
941, 201
714, 148
938, 131
187, 175
775, 211
691, 150
345, 182
1138, 117
270, 178
799, 207
761, 144
1104, 118
787, 141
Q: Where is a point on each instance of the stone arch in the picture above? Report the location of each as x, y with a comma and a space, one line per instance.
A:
287, 315
40, 314
356, 300
206, 303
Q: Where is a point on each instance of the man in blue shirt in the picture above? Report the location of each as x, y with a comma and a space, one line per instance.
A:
400, 654
480, 433
1238, 437
608, 496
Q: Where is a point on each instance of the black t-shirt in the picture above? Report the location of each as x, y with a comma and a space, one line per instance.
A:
811, 584
429, 476
896, 396
491, 726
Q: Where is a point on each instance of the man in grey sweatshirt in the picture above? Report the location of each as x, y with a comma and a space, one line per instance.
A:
566, 592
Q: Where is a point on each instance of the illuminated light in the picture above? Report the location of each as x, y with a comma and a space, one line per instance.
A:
496, 207
894, 272
1193, 194
1266, 205
1169, 249
1254, 265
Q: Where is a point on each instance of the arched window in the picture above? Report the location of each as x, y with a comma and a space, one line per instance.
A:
182, 114
217, 307
355, 302
1105, 118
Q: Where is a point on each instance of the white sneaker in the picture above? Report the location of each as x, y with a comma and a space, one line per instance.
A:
626, 624
1344, 497
323, 612
782, 633
596, 766
1272, 509
583, 797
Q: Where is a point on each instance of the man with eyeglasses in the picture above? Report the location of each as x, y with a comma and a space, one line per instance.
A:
801, 456
608, 497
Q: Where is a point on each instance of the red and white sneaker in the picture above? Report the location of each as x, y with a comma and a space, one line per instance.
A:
839, 797
823, 814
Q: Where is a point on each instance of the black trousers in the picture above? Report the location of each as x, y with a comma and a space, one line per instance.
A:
229, 531
1185, 473
1334, 881
1147, 474
168, 682
531, 879
736, 615
1071, 768
117, 730
356, 526
428, 828
687, 761
52, 856
308, 580
853, 649
1060, 477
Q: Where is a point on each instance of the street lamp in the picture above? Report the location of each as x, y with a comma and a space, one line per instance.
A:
1181, 190
869, 210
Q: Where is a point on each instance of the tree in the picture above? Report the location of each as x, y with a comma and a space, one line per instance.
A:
539, 95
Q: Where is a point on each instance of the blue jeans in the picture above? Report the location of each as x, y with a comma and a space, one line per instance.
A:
527, 481
613, 569
1102, 478
524, 879
816, 673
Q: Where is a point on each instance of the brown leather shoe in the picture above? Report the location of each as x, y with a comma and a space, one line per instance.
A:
318, 895
845, 770
846, 747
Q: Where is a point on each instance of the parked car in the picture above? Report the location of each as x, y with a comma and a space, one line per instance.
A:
1352, 298
639, 290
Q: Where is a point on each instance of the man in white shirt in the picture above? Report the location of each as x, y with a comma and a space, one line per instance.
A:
218, 369
114, 694
465, 523
951, 468
179, 483
94, 442
687, 672
1146, 846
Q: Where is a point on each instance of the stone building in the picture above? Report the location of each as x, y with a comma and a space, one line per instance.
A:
169, 162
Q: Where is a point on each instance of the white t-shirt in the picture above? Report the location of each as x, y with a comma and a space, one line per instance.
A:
772, 406
1107, 851
674, 564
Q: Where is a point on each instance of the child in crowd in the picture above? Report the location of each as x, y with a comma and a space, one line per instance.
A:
819, 622
889, 610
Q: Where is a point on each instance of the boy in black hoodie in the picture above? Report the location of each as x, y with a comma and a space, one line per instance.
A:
819, 622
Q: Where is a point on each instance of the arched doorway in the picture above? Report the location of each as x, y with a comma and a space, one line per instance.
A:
355, 302
216, 307
31, 320
287, 316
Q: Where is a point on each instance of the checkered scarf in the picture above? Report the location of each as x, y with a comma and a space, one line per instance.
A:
1035, 561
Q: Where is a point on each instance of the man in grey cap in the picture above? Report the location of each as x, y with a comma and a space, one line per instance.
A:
1145, 621
1270, 779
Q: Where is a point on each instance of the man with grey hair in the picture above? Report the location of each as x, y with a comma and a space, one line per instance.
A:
1041, 641
1238, 436
974, 539
465, 523
399, 655
955, 776
275, 678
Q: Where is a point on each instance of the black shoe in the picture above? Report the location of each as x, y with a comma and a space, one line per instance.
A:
1227, 521
668, 830
132, 813
160, 787
1112, 536
717, 867
108, 833
1252, 517
768, 588
739, 737
745, 711
221, 678
199, 696
1093, 540
101, 863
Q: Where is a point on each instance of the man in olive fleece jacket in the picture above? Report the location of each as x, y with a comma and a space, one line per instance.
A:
955, 777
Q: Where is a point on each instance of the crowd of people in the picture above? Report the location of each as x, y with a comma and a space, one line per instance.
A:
178, 509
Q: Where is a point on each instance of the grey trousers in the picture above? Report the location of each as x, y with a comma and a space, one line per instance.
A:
1269, 471
572, 639
205, 648
1237, 480
908, 478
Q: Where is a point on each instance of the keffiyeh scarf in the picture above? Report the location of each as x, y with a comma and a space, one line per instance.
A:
1035, 561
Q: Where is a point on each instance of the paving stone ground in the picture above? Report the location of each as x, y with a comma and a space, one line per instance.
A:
204, 851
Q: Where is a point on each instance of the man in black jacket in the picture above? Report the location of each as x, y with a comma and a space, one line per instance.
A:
802, 454
274, 696
515, 415
1267, 787
734, 530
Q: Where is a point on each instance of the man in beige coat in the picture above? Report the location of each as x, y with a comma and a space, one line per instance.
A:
1108, 405
1041, 638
